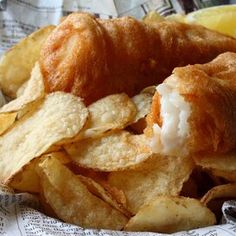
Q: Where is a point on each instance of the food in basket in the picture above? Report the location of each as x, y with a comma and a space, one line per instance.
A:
85, 154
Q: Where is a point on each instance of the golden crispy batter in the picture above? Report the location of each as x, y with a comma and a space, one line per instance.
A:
211, 90
93, 58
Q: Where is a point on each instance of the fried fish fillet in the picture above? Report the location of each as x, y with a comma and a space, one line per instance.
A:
92, 58
194, 109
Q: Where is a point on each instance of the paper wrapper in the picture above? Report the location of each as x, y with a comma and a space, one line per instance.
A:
20, 213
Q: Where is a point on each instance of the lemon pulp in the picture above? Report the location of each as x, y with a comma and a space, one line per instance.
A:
219, 18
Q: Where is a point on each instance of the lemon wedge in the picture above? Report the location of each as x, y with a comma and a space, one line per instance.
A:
153, 17
176, 17
219, 18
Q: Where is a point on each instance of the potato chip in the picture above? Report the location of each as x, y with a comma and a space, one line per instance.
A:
168, 214
109, 113
159, 175
60, 116
100, 178
150, 89
143, 103
2, 99
17, 63
223, 165
6, 121
71, 200
45, 207
221, 191
33, 91
228, 175
27, 180
21, 89
114, 151
98, 190
116, 193
15, 109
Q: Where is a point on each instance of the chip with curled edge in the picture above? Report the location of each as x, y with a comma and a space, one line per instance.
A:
115, 151
221, 165
72, 201
111, 112
16, 64
143, 103
159, 175
60, 116
167, 214
33, 91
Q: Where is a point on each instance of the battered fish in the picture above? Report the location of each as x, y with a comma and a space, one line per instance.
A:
194, 110
92, 58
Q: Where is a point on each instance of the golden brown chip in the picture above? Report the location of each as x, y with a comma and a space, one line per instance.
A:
27, 180
6, 121
116, 193
221, 191
143, 103
150, 89
159, 175
221, 165
60, 116
2, 99
32, 93
17, 63
71, 200
99, 191
114, 151
109, 113
21, 90
171, 214
34, 90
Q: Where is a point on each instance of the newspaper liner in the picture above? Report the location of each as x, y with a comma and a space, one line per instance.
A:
19, 216
20, 213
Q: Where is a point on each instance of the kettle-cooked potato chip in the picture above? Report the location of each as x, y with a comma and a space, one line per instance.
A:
6, 121
159, 175
220, 191
111, 112
112, 152
27, 180
2, 99
150, 89
99, 191
143, 103
168, 214
16, 64
34, 90
60, 116
223, 165
71, 200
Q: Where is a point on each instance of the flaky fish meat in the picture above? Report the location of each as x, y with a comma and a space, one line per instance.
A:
194, 110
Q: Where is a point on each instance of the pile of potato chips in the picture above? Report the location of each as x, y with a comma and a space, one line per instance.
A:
92, 166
